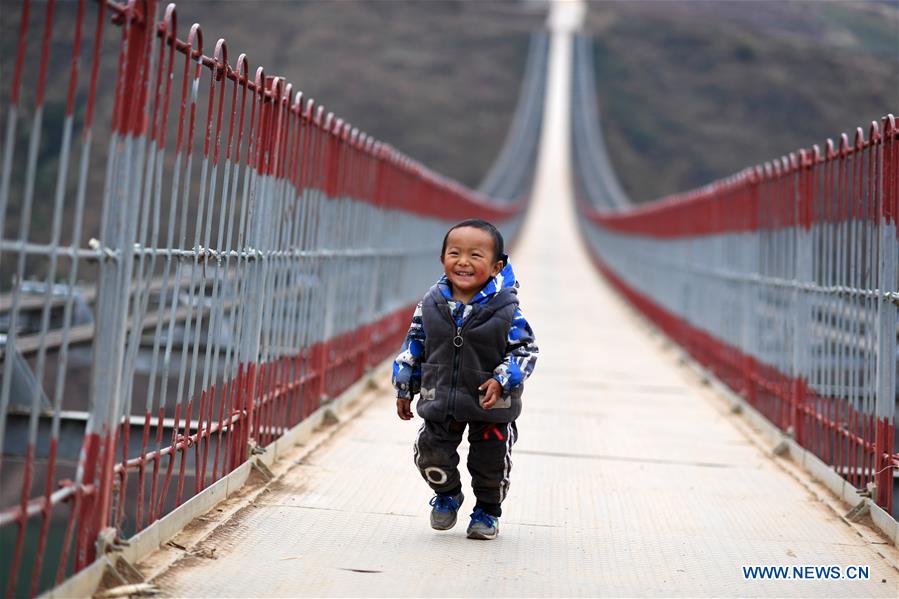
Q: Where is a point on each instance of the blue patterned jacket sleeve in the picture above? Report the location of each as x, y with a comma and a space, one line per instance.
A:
407, 365
521, 354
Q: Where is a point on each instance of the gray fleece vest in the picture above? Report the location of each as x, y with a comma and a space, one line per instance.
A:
457, 360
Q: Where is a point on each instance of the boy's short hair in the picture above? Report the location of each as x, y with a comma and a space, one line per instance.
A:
483, 225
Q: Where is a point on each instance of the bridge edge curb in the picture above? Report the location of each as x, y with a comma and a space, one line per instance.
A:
140, 546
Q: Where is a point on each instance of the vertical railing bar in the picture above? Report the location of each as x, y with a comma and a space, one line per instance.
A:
166, 294
857, 356
197, 288
139, 76
207, 197
871, 282
290, 377
12, 122
208, 183
229, 372
863, 314
24, 225
304, 243
191, 335
234, 369
842, 314
10, 341
111, 306
829, 318
885, 408
59, 194
296, 280
168, 32
284, 215
141, 286
247, 347
221, 288
820, 224
307, 178
272, 350
314, 299
269, 351
180, 192
81, 193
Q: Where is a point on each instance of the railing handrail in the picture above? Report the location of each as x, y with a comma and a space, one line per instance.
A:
782, 279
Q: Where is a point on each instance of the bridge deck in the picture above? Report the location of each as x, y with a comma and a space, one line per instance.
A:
629, 478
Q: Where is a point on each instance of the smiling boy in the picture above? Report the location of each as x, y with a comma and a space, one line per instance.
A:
467, 353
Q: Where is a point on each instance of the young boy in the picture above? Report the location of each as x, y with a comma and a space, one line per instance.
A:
467, 354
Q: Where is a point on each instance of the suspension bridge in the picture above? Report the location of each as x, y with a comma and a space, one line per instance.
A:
200, 302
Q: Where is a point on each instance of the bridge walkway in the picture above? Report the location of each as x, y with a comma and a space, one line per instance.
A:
629, 478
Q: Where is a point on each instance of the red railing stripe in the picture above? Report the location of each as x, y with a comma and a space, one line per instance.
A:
731, 205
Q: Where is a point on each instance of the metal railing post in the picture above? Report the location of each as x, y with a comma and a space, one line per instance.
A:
118, 232
885, 407
801, 301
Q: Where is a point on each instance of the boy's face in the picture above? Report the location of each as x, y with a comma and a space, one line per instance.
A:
469, 259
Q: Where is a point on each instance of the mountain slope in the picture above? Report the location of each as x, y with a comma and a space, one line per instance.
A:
693, 91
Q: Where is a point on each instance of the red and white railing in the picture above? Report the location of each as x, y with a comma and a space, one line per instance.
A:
247, 255
784, 281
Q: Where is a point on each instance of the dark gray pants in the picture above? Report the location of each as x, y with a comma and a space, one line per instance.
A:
489, 459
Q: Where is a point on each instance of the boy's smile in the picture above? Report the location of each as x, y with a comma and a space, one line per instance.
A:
469, 261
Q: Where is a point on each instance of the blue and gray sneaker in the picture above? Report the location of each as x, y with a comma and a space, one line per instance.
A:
483, 526
443, 516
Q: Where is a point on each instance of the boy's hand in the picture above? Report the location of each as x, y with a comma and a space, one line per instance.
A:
492, 391
404, 408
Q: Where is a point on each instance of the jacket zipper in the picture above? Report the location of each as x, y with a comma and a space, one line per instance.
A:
457, 358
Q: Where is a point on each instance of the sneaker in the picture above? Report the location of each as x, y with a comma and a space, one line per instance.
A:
483, 526
443, 516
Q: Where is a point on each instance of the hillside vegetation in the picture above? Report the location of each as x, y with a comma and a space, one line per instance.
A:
693, 91
439, 79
